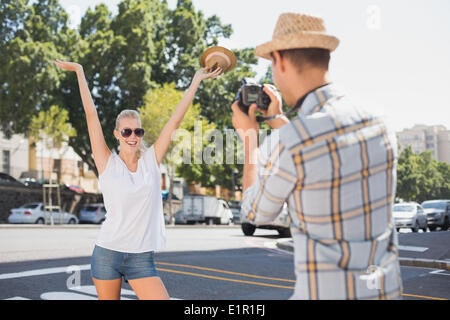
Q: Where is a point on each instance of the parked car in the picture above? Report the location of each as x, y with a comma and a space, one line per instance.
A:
31, 182
409, 215
235, 207
93, 213
180, 218
38, 183
281, 224
9, 180
438, 213
34, 213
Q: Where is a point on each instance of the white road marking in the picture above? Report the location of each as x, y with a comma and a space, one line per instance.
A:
439, 272
55, 295
92, 291
40, 272
412, 248
85, 292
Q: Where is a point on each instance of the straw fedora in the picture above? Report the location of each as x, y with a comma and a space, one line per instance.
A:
218, 57
295, 31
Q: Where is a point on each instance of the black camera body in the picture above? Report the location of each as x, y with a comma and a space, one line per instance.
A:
252, 92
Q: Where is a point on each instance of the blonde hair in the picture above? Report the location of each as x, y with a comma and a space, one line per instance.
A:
133, 114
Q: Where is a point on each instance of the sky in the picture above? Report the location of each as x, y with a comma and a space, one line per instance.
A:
393, 57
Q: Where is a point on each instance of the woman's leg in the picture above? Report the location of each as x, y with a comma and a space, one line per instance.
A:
108, 289
151, 288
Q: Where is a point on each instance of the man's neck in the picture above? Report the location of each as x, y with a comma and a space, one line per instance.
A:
307, 81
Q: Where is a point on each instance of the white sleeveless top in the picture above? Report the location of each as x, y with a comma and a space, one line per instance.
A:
133, 201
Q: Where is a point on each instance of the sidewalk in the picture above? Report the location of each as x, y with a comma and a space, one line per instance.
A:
428, 250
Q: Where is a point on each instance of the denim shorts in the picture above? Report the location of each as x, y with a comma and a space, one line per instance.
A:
108, 264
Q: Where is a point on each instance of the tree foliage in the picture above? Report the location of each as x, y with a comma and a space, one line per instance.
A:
124, 55
420, 177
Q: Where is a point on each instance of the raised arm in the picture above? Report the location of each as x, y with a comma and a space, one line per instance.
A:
99, 147
162, 143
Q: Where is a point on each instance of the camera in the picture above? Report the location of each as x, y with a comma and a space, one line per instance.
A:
252, 92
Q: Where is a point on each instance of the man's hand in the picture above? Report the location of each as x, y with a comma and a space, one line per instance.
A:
275, 107
243, 123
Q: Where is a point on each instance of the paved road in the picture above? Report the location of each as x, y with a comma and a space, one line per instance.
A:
199, 263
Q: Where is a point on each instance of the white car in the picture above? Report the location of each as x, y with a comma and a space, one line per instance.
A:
281, 224
409, 215
34, 213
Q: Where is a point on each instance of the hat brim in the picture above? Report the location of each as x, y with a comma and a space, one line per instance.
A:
298, 41
223, 50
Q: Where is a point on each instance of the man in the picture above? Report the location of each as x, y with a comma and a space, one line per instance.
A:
334, 165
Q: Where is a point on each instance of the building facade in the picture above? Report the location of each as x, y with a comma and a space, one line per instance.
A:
14, 156
421, 138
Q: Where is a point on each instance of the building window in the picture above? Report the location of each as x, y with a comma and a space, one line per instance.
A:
57, 165
80, 168
6, 161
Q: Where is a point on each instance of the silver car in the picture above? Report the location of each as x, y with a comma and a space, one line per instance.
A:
438, 213
93, 213
34, 213
281, 223
410, 215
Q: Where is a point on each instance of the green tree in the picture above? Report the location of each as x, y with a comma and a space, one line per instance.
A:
30, 37
52, 128
186, 33
444, 187
420, 177
408, 175
429, 178
142, 47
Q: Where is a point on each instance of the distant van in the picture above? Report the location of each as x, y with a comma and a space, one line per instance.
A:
205, 209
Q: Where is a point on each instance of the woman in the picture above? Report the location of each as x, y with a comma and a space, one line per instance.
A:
131, 186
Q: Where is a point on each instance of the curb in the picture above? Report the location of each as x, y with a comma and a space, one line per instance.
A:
96, 226
425, 263
409, 262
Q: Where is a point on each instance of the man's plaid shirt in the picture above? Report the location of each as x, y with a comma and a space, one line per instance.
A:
335, 166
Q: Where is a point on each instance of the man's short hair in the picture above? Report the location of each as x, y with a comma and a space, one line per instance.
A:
303, 57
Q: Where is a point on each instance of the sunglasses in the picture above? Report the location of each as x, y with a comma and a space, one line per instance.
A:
138, 132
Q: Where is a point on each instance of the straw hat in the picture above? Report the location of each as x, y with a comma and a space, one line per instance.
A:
218, 57
295, 31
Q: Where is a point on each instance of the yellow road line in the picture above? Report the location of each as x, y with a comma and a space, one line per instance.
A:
424, 297
251, 276
225, 279
224, 271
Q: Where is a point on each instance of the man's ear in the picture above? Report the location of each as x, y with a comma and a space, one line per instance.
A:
278, 61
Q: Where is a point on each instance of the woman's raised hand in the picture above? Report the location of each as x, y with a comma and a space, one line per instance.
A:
203, 74
69, 66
